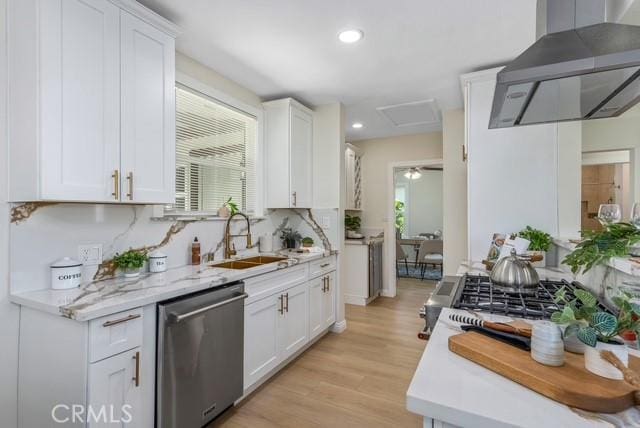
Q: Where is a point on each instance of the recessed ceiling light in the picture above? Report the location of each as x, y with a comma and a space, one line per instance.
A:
356, 125
350, 36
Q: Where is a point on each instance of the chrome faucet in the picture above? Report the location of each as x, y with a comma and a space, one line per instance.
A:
228, 250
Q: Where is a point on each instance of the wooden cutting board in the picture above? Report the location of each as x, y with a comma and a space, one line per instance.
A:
570, 384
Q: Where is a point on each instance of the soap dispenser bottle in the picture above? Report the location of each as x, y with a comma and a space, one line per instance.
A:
195, 252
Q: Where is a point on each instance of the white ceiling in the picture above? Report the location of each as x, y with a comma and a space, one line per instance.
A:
413, 50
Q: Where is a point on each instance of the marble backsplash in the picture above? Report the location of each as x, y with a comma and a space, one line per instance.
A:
43, 233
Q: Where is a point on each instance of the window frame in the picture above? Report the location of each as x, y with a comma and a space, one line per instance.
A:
189, 83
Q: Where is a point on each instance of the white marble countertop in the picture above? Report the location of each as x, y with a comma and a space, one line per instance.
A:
452, 389
624, 264
106, 297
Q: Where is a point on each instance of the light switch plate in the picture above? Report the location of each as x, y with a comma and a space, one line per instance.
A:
90, 254
326, 222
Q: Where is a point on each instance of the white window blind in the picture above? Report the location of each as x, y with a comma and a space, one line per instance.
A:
215, 155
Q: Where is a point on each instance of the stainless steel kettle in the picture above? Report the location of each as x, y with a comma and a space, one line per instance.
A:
514, 274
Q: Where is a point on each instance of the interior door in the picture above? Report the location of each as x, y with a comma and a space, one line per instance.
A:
80, 99
316, 301
329, 302
148, 113
301, 158
295, 323
261, 322
112, 384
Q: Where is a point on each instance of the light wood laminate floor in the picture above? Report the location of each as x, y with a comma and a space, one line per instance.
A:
355, 379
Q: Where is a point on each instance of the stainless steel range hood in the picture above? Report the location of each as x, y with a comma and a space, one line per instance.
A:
590, 72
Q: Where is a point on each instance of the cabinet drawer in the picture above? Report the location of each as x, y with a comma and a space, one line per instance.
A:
266, 285
114, 333
322, 266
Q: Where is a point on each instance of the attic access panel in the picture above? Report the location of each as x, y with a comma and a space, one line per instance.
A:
410, 114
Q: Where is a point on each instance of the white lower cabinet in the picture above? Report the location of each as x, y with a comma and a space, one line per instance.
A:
279, 325
114, 391
322, 311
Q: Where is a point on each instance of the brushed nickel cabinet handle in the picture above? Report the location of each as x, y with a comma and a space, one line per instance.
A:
286, 307
281, 308
130, 180
324, 265
116, 185
328, 284
464, 153
295, 198
121, 320
136, 377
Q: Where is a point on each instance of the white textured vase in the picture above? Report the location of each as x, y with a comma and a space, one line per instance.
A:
595, 364
132, 273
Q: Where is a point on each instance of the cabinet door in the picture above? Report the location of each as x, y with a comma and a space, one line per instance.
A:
148, 113
114, 394
261, 322
301, 160
329, 301
80, 99
350, 164
294, 328
316, 301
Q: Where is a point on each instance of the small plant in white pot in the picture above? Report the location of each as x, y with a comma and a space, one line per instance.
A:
598, 330
130, 262
539, 243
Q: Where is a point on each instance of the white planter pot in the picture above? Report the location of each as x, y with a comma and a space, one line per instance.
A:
595, 364
132, 273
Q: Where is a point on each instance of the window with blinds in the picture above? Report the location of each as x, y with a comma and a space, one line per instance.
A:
215, 155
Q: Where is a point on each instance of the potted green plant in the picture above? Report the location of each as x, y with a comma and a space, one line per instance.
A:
539, 243
598, 247
307, 242
400, 219
290, 238
596, 329
228, 209
130, 262
352, 225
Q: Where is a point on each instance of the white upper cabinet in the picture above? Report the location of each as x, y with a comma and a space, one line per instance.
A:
352, 165
289, 154
148, 112
90, 102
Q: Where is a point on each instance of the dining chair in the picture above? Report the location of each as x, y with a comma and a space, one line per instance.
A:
401, 256
430, 253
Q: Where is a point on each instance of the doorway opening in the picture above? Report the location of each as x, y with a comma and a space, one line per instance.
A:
415, 222
606, 179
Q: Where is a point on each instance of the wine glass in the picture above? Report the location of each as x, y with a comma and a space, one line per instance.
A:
635, 215
609, 214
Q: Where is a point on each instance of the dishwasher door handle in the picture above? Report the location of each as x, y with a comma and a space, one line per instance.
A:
180, 317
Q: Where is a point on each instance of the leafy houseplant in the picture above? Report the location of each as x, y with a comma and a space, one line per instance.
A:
597, 329
307, 241
352, 223
229, 208
130, 262
290, 237
615, 240
400, 218
538, 240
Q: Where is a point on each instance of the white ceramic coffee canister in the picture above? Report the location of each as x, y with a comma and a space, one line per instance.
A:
66, 273
157, 262
266, 243
547, 346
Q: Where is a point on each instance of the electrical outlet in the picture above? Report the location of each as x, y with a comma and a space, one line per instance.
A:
326, 222
90, 254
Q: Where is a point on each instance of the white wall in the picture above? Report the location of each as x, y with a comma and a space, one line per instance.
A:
377, 154
8, 311
569, 178
424, 201
454, 196
327, 125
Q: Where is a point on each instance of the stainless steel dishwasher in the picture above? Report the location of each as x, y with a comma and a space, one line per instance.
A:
200, 356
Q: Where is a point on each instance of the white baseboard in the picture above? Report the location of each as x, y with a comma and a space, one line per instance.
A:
339, 326
350, 299
387, 293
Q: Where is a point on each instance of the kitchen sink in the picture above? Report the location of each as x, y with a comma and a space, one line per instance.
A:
248, 263
263, 260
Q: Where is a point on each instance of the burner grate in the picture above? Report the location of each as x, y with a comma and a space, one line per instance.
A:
478, 295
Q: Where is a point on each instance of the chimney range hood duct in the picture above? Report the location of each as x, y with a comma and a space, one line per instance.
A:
591, 72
